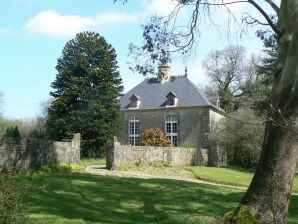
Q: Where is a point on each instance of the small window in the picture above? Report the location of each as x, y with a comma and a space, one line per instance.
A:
171, 99
134, 104
134, 101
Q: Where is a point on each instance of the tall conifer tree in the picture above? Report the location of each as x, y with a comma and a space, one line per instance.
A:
86, 92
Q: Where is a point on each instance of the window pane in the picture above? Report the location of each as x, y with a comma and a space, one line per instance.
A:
134, 131
170, 101
168, 127
168, 118
175, 128
173, 118
131, 128
131, 140
137, 140
137, 128
175, 141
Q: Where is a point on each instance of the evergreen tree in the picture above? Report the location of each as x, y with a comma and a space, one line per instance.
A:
86, 92
263, 85
12, 132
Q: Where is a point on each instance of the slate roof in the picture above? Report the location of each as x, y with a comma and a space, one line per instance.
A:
153, 93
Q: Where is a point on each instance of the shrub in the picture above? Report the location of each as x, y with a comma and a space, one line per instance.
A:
155, 137
11, 207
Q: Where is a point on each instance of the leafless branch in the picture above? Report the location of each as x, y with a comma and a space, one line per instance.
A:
249, 20
266, 16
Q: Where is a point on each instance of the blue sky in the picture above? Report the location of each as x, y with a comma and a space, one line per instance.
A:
33, 33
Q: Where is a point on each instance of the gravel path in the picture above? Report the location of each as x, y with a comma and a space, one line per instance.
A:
156, 173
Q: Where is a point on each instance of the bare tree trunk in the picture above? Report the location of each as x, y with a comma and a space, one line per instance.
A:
268, 196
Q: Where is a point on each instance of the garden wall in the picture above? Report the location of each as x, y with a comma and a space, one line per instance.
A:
174, 156
29, 153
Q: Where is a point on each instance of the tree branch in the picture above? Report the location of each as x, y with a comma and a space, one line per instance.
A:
273, 5
266, 16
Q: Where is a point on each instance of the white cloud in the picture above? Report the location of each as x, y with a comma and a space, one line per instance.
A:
7, 31
52, 23
160, 7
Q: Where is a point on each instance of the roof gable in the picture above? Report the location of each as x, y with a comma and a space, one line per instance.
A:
171, 94
135, 97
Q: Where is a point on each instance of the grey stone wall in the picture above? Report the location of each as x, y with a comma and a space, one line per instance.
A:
175, 156
24, 154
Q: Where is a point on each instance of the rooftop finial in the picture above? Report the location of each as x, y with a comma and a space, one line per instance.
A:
185, 71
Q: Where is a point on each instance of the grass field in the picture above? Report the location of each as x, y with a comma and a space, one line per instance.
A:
231, 176
81, 198
93, 161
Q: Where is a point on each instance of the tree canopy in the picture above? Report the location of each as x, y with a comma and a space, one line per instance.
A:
86, 92
230, 71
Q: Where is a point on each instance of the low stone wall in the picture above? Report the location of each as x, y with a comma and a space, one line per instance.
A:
175, 156
28, 153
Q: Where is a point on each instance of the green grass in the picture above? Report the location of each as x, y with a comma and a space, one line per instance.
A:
93, 161
81, 198
230, 176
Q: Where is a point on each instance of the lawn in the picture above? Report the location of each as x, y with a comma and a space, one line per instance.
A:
81, 198
231, 176
92, 161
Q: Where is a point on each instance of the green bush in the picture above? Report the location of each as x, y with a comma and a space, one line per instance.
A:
155, 137
11, 206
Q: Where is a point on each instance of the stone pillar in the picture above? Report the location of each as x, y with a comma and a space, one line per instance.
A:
76, 148
110, 158
217, 156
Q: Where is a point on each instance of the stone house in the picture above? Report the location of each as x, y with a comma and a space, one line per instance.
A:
173, 104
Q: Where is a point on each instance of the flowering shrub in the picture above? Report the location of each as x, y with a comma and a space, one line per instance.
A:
155, 137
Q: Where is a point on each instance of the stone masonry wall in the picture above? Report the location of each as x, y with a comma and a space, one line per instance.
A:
175, 156
193, 123
24, 154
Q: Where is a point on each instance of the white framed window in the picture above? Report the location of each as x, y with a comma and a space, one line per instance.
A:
133, 104
171, 99
134, 131
135, 101
171, 129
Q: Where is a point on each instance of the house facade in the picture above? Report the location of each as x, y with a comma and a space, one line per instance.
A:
173, 104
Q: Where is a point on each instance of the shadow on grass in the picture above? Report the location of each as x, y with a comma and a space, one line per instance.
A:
80, 198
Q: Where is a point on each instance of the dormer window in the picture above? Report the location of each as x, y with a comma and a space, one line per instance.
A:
135, 101
171, 99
